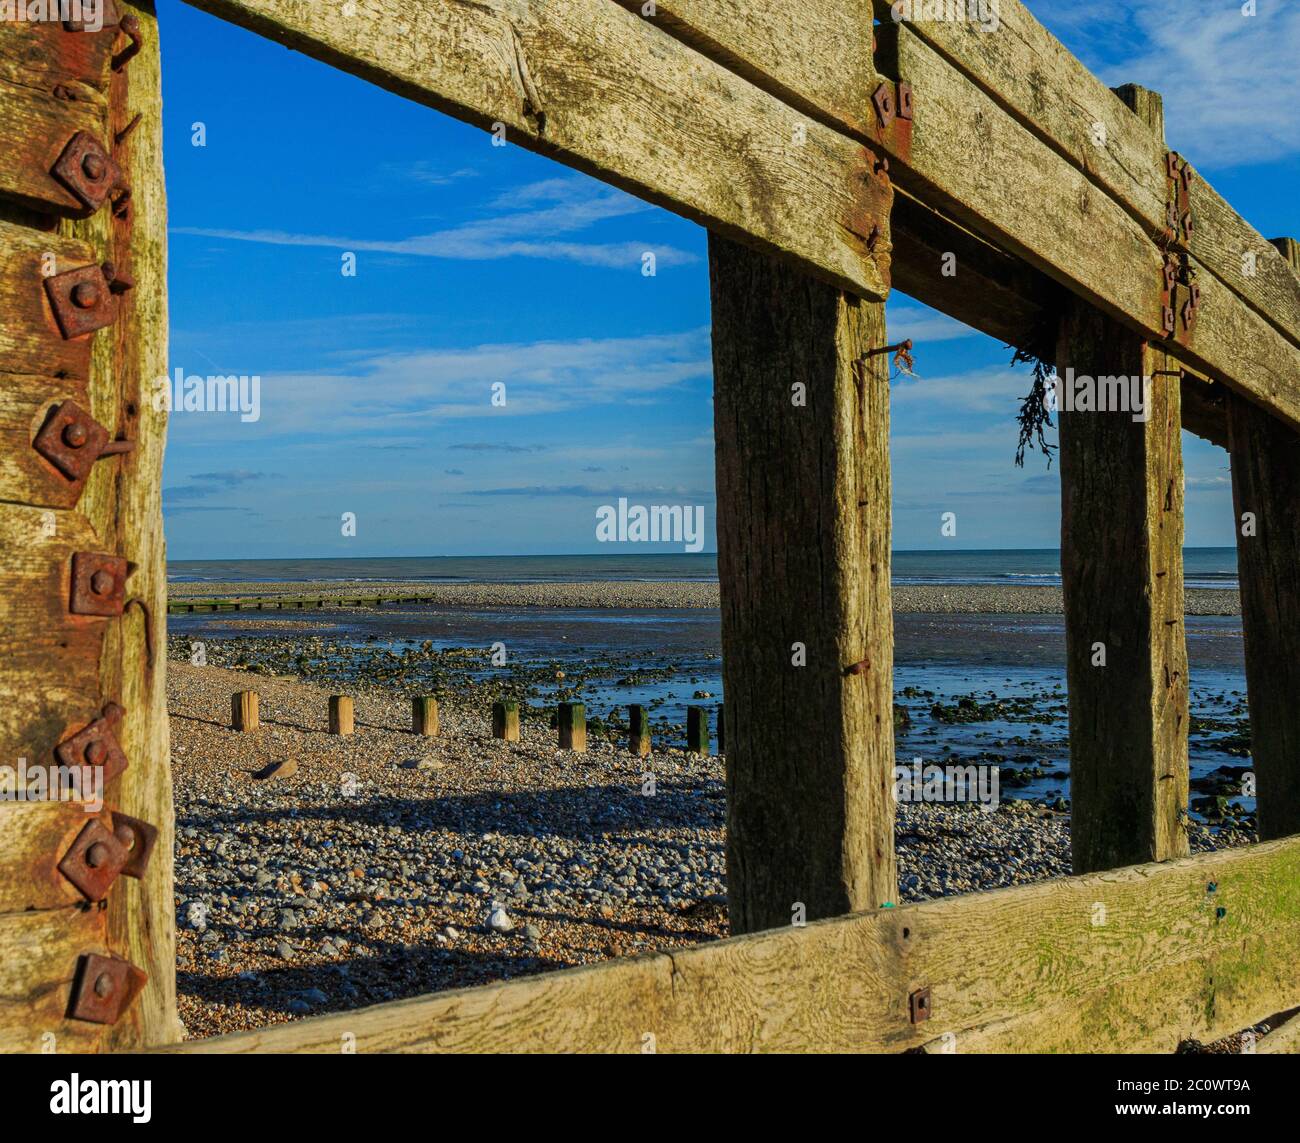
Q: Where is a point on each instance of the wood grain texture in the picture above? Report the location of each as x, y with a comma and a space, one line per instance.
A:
35, 127
801, 425
1135, 959
612, 94
1266, 484
39, 954
42, 832
123, 499
26, 477
30, 342
1122, 576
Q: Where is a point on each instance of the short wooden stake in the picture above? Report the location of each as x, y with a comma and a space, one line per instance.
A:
573, 726
697, 730
341, 715
243, 711
424, 715
505, 720
638, 730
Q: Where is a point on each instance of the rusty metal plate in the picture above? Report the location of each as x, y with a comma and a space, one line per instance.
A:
98, 584
94, 861
104, 989
71, 440
883, 98
138, 840
96, 745
918, 1005
81, 300
87, 170
904, 100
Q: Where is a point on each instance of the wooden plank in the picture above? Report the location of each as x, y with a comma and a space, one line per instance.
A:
37, 836
801, 425
39, 953
51, 658
35, 128
123, 500
1134, 959
1029, 73
612, 94
30, 342
25, 475
1266, 501
1122, 575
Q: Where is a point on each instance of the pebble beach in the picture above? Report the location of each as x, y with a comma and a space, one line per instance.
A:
317, 873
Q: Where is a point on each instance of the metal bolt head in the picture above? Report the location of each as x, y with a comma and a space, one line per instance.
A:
75, 435
85, 295
102, 582
96, 752
94, 167
96, 855
103, 985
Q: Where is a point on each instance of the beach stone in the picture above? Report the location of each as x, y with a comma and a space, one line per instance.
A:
284, 768
498, 920
284, 950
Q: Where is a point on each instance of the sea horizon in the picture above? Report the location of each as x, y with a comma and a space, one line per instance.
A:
1208, 567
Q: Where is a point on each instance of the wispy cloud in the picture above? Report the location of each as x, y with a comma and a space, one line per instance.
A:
1229, 79
204, 484
556, 208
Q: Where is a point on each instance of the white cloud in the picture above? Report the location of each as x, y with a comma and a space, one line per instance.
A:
559, 206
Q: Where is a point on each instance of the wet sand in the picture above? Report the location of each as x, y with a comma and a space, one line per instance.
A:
950, 599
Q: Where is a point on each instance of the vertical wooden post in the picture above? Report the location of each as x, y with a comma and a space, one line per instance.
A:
722, 729
801, 419
341, 715
638, 730
505, 720
1266, 502
1122, 575
243, 711
424, 715
573, 726
697, 730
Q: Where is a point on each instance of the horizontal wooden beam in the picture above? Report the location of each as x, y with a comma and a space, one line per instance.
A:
612, 94
1129, 960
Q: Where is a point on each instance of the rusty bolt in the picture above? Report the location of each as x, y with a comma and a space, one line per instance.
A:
96, 752
102, 582
94, 167
75, 435
85, 296
103, 985
97, 855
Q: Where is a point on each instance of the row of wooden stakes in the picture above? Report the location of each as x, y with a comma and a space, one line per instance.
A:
505, 721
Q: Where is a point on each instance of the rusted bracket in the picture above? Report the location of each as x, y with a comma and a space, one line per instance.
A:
892, 101
98, 584
138, 839
104, 989
96, 745
94, 861
72, 440
918, 1005
85, 299
89, 172
1180, 297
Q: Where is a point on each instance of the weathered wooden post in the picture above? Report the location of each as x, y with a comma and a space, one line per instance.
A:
638, 730
573, 726
1266, 501
697, 730
244, 711
341, 715
1122, 576
424, 715
801, 416
505, 720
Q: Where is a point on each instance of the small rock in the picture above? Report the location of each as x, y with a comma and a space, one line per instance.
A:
284, 950
499, 920
284, 768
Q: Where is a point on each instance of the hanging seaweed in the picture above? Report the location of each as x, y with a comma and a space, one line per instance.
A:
1034, 415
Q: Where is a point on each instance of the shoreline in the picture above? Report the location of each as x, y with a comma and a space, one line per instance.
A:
945, 599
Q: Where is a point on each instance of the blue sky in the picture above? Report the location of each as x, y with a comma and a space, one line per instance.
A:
479, 265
